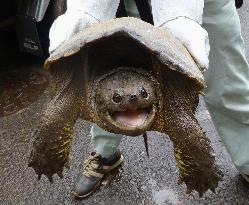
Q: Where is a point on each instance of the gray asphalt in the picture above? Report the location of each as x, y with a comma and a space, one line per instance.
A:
140, 180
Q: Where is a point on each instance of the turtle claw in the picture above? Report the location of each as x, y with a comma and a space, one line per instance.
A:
180, 181
213, 190
30, 164
67, 165
189, 190
200, 194
60, 174
50, 178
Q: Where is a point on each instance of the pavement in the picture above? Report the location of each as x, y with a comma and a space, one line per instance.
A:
141, 180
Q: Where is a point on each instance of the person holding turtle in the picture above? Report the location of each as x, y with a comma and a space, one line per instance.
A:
201, 25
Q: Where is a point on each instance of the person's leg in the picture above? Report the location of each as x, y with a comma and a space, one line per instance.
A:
105, 143
131, 8
104, 159
227, 93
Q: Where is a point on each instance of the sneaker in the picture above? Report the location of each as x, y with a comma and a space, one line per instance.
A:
245, 177
95, 169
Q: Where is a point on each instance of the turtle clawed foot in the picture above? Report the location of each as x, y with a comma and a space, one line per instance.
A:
202, 181
48, 169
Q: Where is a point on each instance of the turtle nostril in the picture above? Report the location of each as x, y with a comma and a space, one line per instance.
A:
133, 97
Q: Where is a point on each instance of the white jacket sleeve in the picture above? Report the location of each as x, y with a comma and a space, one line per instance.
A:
79, 15
184, 18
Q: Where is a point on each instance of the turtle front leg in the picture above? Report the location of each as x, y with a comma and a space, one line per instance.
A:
194, 158
192, 149
193, 152
51, 147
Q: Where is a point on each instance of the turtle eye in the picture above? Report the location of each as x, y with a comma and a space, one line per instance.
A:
116, 98
144, 93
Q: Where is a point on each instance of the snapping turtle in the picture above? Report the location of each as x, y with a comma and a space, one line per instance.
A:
128, 77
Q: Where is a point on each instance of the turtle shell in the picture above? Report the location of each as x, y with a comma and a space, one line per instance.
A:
130, 41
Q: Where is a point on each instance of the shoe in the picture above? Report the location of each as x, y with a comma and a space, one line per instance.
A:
245, 177
95, 169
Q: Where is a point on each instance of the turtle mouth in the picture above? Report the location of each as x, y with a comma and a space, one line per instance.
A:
131, 118
132, 122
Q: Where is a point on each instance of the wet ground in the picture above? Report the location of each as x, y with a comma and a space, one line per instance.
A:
140, 181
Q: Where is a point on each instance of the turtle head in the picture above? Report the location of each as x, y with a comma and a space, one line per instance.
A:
126, 101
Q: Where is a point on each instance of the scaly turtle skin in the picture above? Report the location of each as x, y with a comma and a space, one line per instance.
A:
128, 77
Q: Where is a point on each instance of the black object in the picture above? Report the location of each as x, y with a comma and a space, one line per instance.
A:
7, 10
238, 3
29, 13
8, 40
145, 136
121, 10
34, 19
28, 36
143, 9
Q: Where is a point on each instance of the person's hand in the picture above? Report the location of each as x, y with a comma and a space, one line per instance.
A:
79, 15
193, 37
66, 25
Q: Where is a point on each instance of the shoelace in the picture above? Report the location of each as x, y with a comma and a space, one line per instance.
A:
92, 165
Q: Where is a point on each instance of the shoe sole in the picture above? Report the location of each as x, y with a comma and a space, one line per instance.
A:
245, 177
88, 194
110, 168
107, 169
